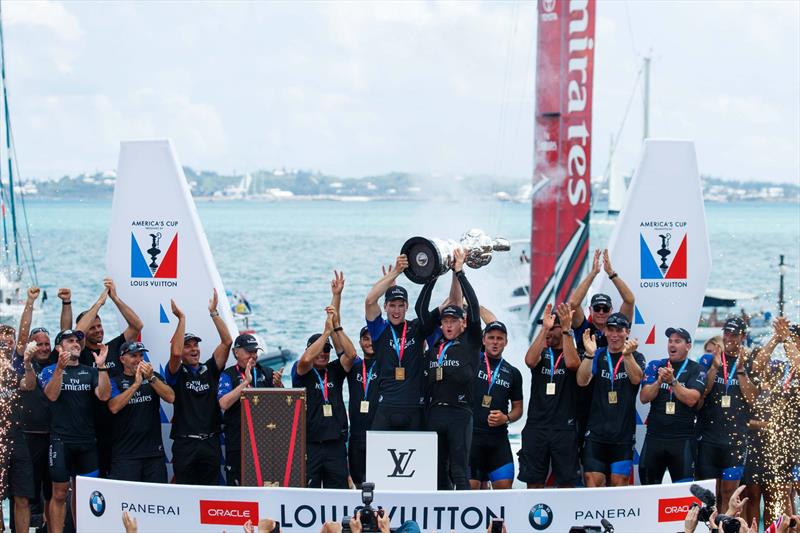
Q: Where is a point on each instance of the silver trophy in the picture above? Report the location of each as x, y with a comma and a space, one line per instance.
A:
430, 258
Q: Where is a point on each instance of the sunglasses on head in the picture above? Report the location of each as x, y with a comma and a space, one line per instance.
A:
601, 309
34, 331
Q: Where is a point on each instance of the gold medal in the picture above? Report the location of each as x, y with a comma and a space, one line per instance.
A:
551, 389
399, 373
670, 408
364, 407
726, 401
327, 409
612, 397
487, 401
439, 373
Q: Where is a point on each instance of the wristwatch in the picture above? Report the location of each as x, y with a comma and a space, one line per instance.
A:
568, 332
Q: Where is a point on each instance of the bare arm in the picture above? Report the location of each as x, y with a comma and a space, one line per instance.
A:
577, 296
371, 308
635, 373
227, 400
650, 391
487, 316
688, 397
225, 341
103, 389
135, 323
88, 317
516, 411
534, 353
748, 388
28, 382
176, 344
163, 390
584, 375
118, 402
306, 361
65, 295
571, 359
624, 291
25, 319
53, 388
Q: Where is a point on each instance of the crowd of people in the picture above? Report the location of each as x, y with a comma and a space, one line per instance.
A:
82, 406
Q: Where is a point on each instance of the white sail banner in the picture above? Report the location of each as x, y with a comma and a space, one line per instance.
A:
659, 245
173, 508
157, 250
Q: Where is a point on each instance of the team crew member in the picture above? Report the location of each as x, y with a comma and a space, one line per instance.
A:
326, 416
90, 324
496, 384
550, 439
137, 452
618, 370
196, 423
70, 386
399, 346
363, 396
673, 387
233, 381
723, 417
451, 368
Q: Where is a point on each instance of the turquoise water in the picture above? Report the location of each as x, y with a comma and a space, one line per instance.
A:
282, 254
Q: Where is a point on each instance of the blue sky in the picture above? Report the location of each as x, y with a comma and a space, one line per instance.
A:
356, 88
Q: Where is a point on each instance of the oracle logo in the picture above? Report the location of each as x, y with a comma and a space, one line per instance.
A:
675, 509
228, 513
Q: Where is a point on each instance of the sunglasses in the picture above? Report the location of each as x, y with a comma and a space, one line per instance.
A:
34, 331
601, 309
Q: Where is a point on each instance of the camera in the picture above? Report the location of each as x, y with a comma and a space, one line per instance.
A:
728, 524
369, 516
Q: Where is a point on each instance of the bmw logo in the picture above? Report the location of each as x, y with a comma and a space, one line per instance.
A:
541, 516
97, 503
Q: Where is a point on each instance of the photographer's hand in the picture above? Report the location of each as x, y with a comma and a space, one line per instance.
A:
355, 523
735, 504
331, 527
690, 523
384, 523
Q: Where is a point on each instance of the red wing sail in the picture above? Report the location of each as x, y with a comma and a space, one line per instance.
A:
562, 149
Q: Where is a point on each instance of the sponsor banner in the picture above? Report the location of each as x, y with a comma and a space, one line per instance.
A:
402, 460
659, 245
157, 251
173, 508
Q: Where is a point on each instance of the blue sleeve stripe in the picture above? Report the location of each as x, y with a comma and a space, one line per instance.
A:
376, 327
114, 389
225, 386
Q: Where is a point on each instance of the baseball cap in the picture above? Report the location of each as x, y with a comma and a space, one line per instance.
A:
601, 299
735, 325
67, 333
618, 320
395, 293
132, 347
495, 326
190, 337
680, 331
794, 329
453, 310
364, 331
313, 338
246, 341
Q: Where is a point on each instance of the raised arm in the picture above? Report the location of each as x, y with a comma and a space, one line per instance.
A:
456, 295
487, 316
176, 344
748, 388
473, 306
28, 381
534, 353
225, 341
571, 359
337, 286
584, 375
306, 361
341, 342
371, 308
135, 323
163, 390
426, 320
91, 313
576, 298
65, 295
103, 389
52, 388
25, 319
622, 288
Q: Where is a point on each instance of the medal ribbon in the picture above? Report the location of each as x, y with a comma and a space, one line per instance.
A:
491, 377
683, 367
728, 377
613, 371
443, 351
400, 348
241, 375
323, 384
554, 366
788, 372
366, 375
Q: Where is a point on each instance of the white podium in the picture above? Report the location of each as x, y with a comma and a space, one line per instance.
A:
402, 460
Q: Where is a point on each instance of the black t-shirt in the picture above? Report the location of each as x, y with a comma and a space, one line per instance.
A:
321, 428
390, 391
35, 406
9, 395
72, 417
137, 426
680, 424
361, 422
600, 339
506, 387
613, 423
196, 408
112, 359
717, 424
553, 411
231, 378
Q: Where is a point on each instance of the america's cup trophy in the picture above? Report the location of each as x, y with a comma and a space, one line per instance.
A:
430, 258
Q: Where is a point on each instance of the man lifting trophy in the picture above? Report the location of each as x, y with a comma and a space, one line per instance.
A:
430, 258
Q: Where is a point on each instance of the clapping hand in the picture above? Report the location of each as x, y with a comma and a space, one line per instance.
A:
630, 346
565, 312
548, 318
277, 378
176, 310
100, 359
589, 341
